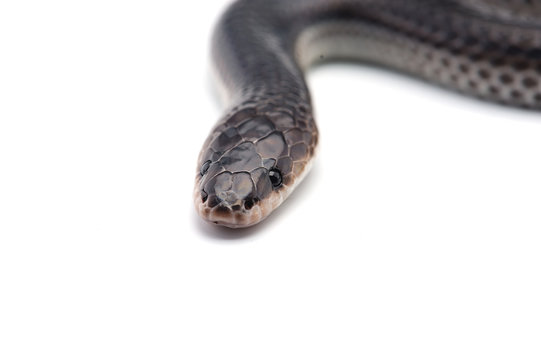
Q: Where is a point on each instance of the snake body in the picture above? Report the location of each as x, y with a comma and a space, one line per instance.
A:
263, 146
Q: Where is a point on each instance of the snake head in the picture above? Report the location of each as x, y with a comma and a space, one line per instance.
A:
246, 169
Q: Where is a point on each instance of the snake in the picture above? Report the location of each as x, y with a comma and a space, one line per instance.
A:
265, 143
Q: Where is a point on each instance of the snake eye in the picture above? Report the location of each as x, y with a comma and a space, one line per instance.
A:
275, 177
205, 167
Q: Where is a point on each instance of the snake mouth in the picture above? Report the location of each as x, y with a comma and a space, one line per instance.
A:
251, 212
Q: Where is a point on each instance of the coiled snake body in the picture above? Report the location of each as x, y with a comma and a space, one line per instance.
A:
263, 145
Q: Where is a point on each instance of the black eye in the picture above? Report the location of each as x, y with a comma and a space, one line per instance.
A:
275, 177
205, 167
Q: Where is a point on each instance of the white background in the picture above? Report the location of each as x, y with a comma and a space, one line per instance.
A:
416, 236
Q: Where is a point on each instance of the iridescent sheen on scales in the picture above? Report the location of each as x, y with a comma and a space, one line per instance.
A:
263, 146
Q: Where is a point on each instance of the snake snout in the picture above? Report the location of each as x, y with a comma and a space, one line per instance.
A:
228, 189
229, 199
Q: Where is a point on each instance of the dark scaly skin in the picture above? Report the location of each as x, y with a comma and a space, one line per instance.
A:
262, 147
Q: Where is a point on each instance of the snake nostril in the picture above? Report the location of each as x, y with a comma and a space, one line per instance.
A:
205, 167
275, 177
248, 204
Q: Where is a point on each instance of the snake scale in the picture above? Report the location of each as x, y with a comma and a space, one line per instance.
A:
263, 146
